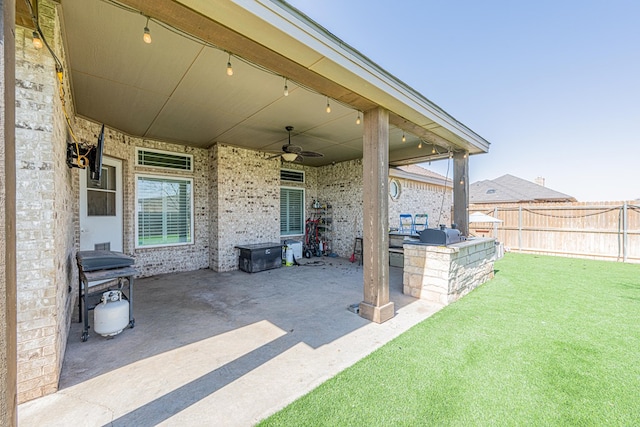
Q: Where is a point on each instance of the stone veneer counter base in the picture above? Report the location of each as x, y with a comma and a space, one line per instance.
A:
443, 274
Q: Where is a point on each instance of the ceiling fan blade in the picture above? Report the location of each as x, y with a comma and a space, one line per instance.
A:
310, 154
274, 156
288, 148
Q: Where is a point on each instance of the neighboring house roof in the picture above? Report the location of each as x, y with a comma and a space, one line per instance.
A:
418, 173
511, 189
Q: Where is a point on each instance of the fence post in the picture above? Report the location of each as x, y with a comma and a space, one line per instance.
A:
624, 232
520, 228
495, 224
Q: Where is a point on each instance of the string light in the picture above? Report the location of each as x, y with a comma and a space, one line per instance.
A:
229, 67
433, 150
37, 41
328, 106
147, 34
420, 145
404, 138
286, 88
358, 119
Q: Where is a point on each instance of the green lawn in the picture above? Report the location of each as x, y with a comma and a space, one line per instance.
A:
549, 341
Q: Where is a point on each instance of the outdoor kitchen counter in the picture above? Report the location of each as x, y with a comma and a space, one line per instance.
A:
444, 274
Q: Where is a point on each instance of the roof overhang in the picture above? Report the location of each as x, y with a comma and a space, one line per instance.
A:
277, 41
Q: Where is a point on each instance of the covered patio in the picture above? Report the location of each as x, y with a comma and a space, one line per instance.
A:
216, 87
221, 349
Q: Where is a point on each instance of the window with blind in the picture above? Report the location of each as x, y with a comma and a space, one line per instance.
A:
164, 214
291, 211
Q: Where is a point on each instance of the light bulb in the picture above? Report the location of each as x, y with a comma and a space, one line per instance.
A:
462, 181
147, 35
286, 88
433, 150
37, 41
404, 138
420, 145
328, 106
358, 119
229, 67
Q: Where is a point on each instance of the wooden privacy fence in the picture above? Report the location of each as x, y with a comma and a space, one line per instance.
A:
603, 230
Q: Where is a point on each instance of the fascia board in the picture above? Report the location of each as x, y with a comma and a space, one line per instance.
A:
286, 31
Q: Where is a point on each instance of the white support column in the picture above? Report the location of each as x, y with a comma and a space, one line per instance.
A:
376, 305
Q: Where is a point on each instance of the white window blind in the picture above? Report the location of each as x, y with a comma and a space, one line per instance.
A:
164, 215
291, 211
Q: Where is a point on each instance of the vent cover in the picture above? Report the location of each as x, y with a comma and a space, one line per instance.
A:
164, 159
291, 175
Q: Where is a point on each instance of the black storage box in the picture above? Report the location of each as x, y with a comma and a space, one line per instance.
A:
259, 257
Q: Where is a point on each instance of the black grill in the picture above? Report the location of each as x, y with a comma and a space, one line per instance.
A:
442, 236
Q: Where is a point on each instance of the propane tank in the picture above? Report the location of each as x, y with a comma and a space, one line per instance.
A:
111, 316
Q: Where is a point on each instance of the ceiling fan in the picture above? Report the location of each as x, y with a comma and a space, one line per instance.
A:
294, 153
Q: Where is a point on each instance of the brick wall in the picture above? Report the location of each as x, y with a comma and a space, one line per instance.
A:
247, 202
44, 217
341, 186
150, 261
420, 197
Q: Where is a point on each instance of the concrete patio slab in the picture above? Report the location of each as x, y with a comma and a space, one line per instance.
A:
225, 349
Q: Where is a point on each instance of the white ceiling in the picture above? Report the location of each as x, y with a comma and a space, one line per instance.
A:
176, 89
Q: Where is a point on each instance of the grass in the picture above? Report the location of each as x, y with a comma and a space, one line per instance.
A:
549, 341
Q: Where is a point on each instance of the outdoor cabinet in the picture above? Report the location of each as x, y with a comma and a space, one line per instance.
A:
259, 257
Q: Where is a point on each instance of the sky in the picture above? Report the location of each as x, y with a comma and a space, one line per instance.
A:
554, 86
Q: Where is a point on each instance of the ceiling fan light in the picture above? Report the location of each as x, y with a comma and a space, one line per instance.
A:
289, 157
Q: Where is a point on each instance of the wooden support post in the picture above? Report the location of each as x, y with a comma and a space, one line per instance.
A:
376, 305
461, 191
625, 226
8, 299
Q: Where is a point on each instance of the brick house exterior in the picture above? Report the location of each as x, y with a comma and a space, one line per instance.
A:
235, 195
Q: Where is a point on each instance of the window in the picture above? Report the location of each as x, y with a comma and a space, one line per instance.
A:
394, 189
164, 214
291, 211
164, 159
292, 175
101, 195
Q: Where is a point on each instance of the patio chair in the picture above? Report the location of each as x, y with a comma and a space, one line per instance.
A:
406, 224
420, 222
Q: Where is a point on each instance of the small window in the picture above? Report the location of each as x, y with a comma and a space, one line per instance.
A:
394, 189
291, 211
164, 211
292, 175
491, 191
101, 195
164, 159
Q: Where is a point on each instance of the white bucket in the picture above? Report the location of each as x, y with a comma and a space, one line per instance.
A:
288, 256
